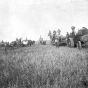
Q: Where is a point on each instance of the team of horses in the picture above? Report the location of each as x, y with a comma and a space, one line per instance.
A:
16, 44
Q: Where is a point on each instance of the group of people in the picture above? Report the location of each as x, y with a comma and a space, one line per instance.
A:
56, 35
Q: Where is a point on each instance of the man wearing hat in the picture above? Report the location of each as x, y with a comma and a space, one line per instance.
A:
67, 37
58, 37
54, 35
73, 32
59, 34
59, 31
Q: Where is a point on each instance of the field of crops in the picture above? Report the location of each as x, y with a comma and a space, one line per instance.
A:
44, 66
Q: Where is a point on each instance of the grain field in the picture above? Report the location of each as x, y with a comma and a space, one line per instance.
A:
44, 66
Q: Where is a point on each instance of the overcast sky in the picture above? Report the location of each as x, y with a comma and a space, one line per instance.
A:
32, 18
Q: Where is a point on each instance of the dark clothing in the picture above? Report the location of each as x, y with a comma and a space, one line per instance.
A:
72, 35
77, 38
67, 36
54, 37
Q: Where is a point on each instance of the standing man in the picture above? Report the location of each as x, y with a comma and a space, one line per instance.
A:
54, 35
73, 32
41, 39
67, 37
59, 34
50, 35
59, 31
58, 37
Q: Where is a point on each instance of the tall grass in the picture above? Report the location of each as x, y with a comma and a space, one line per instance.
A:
44, 67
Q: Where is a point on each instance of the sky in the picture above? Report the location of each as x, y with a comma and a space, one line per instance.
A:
32, 18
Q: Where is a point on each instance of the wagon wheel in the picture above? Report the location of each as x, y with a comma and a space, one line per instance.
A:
71, 42
79, 45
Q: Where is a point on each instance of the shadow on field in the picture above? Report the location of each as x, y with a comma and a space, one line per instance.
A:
14, 74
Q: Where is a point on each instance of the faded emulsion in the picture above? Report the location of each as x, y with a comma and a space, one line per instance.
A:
43, 44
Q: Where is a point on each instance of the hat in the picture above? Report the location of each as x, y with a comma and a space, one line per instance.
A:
73, 27
59, 30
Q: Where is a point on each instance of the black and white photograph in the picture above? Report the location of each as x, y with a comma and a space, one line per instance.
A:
43, 43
